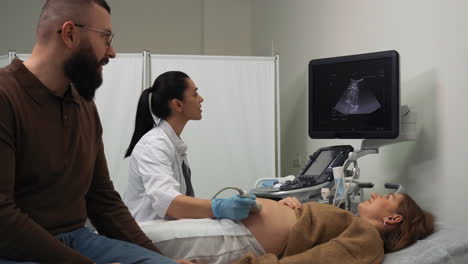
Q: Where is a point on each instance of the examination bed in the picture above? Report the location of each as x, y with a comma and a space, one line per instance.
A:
204, 239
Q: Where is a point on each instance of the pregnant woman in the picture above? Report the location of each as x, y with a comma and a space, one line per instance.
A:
318, 232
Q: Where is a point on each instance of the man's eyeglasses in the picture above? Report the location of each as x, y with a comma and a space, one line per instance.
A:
108, 34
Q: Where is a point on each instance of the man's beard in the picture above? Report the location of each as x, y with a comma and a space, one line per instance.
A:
82, 69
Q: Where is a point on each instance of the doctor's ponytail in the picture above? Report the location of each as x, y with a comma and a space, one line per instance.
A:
169, 85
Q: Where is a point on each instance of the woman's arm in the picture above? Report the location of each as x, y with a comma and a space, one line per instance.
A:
291, 202
188, 207
235, 207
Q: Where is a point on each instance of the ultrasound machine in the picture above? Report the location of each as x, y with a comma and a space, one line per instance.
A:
350, 97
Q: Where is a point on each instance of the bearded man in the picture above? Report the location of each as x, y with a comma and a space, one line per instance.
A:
53, 172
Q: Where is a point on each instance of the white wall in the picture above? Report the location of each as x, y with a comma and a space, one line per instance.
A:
212, 27
227, 27
161, 26
431, 38
18, 20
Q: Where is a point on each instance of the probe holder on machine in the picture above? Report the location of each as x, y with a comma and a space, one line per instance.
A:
371, 146
318, 172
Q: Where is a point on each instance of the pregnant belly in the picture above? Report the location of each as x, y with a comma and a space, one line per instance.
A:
271, 226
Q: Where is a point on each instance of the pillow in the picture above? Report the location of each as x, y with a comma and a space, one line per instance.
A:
446, 245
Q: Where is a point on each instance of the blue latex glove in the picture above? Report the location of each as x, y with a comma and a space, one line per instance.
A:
235, 207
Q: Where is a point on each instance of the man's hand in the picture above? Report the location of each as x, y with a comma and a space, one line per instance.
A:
183, 261
291, 202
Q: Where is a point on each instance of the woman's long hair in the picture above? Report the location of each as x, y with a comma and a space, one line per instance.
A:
416, 224
169, 85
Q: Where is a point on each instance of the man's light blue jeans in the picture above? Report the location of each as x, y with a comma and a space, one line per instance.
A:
105, 250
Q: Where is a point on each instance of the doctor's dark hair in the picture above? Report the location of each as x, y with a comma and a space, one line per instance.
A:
169, 85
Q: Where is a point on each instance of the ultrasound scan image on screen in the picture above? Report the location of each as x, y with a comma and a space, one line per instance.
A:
354, 97
358, 97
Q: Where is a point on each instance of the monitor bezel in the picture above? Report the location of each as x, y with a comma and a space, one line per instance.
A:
317, 133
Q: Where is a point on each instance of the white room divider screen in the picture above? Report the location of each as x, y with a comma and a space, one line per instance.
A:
7, 58
116, 101
235, 142
4, 61
23, 57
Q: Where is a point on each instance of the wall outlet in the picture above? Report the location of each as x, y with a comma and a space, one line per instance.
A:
296, 164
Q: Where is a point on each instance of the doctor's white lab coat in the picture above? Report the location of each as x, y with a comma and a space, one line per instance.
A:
155, 173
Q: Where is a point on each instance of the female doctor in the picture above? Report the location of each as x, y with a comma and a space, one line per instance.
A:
159, 183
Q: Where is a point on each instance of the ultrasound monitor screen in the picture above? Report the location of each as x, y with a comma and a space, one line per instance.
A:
354, 96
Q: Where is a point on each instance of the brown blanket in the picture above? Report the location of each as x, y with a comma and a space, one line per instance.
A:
326, 234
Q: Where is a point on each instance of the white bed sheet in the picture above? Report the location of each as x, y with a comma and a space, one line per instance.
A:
206, 241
